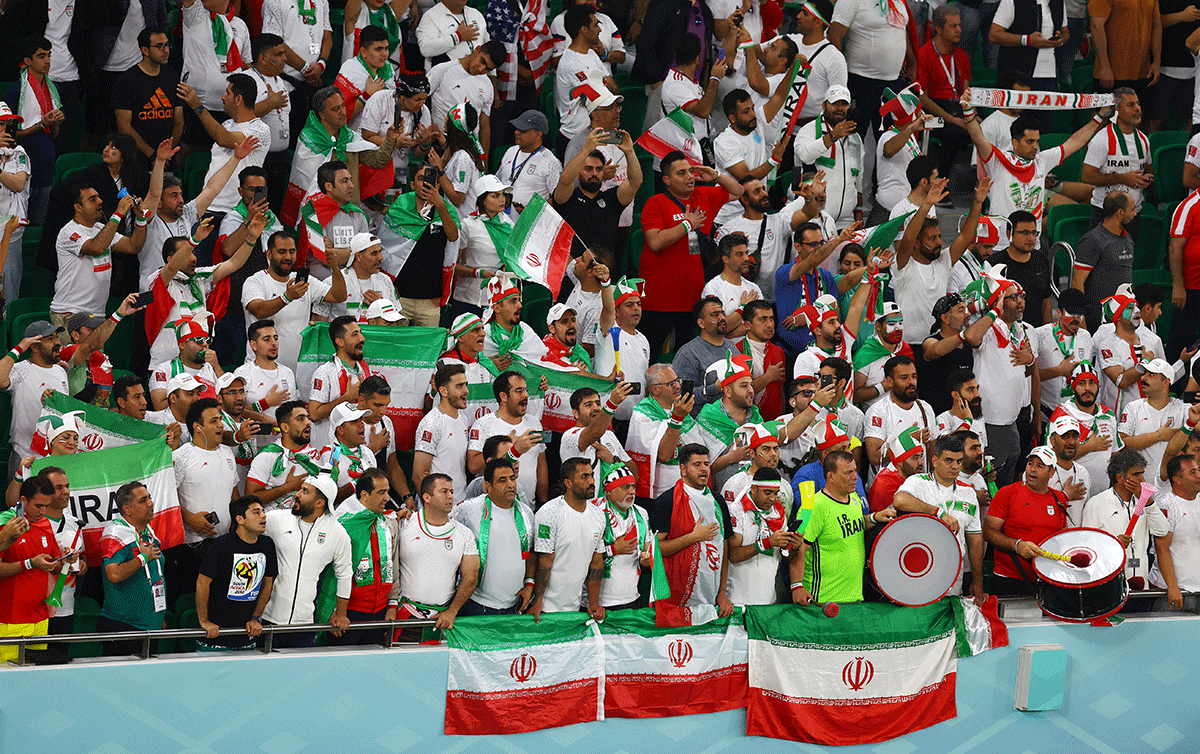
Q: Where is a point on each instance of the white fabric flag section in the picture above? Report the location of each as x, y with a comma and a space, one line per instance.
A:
1012, 98
98, 427
675, 131
539, 246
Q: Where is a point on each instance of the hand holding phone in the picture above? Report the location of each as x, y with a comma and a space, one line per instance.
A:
302, 274
687, 387
144, 299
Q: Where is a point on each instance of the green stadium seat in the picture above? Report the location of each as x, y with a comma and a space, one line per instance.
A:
36, 281
22, 306
72, 162
87, 610
1083, 77
194, 168
1163, 138
633, 109
1150, 249
1071, 230
5, 416
1168, 173
1060, 212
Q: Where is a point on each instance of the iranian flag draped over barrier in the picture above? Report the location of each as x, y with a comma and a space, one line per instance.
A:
95, 477
556, 407
875, 672
404, 356
98, 428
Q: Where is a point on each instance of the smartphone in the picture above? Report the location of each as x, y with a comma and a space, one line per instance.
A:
260, 194
1194, 346
612, 137
826, 379
431, 176
398, 115
212, 518
720, 54
635, 388
687, 387
265, 428
543, 437
301, 274
936, 122
145, 298
124, 192
12, 126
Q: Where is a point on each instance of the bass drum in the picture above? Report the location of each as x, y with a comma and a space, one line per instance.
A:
1079, 593
916, 560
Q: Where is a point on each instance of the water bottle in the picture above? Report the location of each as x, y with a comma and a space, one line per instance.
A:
989, 474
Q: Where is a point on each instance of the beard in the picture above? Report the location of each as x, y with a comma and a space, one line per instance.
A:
976, 406
591, 186
1085, 401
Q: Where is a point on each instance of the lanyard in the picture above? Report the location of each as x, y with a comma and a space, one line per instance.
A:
517, 169
951, 71
485, 528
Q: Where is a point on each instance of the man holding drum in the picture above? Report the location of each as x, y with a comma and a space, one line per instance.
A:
941, 494
1021, 514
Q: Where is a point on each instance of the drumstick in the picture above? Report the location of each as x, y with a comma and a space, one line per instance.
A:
1147, 491
829, 608
1078, 559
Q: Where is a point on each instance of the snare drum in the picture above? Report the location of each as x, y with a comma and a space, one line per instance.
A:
916, 560
1079, 593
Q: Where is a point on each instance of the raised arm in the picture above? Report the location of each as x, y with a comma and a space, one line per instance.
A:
966, 236
222, 176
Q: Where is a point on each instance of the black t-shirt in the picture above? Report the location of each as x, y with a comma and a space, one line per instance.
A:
932, 375
1175, 53
595, 221
151, 99
237, 569
421, 276
1033, 276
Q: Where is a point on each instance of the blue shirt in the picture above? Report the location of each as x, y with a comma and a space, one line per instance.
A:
788, 295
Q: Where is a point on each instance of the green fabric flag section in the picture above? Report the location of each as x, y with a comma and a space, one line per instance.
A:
881, 236
487, 633
100, 428
858, 624
556, 413
641, 622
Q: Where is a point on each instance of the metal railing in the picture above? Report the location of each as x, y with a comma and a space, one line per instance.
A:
268, 634
1145, 595
1055, 288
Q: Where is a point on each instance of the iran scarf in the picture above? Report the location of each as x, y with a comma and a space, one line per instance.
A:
556, 415
515, 676
674, 132
98, 428
663, 672
877, 672
315, 147
404, 356
224, 44
95, 477
198, 306
403, 226
644, 438
317, 213
539, 246
36, 98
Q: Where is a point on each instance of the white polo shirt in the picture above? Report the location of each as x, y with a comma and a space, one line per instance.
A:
1181, 518
1139, 417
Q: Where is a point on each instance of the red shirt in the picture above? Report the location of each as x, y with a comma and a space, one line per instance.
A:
1185, 223
1029, 516
674, 276
23, 596
934, 70
883, 489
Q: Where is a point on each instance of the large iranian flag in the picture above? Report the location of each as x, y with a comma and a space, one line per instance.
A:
539, 246
512, 675
662, 672
404, 356
675, 131
870, 674
99, 428
555, 407
95, 477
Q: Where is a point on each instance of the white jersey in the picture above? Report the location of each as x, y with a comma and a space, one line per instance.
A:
730, 293
568, 446
1108, 512
620, 583
291, 320
1051, 350
282, 17
355, 305
573, 537
444, 438
259, 383
1005, 386
574, 70
166, 419
948, 424
1024, 189
531, 349
886, 419
635, 360
1139, 417
1103, 422
27, 382
430, 557
161, 374
1112, 152
206, 480
329, 382
150, 259
1077, 474
82, 282
1181, 519
487, 426
1111, 350
502, 562
531, 173
304, 550
958, 500
752, 582
271, 468
588, 306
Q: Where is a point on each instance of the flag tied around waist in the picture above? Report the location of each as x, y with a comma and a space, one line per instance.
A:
788, 664
556, 402
95, 477
1012, 98
404, 356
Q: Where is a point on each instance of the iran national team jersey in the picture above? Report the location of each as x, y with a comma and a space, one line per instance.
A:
568, 446
491, 424
752, 581
1020, 184
572, 537
620, 583
329, 381
887, 419
259, 383
1077, 474
161, 374
430, 557
948, 424
1139, 417
1181, 519
444, 437
271, 470
1104, 421
958, 500
808, 363
205, 479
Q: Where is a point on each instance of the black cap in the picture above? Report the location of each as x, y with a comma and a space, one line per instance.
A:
1072, 301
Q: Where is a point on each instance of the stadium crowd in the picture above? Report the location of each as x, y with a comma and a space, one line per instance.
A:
824, 290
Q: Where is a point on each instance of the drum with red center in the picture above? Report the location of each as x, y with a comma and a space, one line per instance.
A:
1089, 585
916, 560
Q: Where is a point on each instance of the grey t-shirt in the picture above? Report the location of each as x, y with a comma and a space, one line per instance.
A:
692, 362
1109, 261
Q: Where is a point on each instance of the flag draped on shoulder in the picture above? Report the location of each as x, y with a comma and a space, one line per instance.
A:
663, 672
404, 356
403, 226
675, 131
95, 477
314, 147
539, 246
511, 676
98, 428
556, 402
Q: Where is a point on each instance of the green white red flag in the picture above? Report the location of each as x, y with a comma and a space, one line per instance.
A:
539, 246
675, 131
555, 406
404, 356
99, 428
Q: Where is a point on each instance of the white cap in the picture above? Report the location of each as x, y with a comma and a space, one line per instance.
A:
228, 379
1158, 366
344, 412
183, 381
890, 308
606, 99
327, 487
837, 93
1063, 425
363, 241
486, 184
556, 313
1045, 454
381, 307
